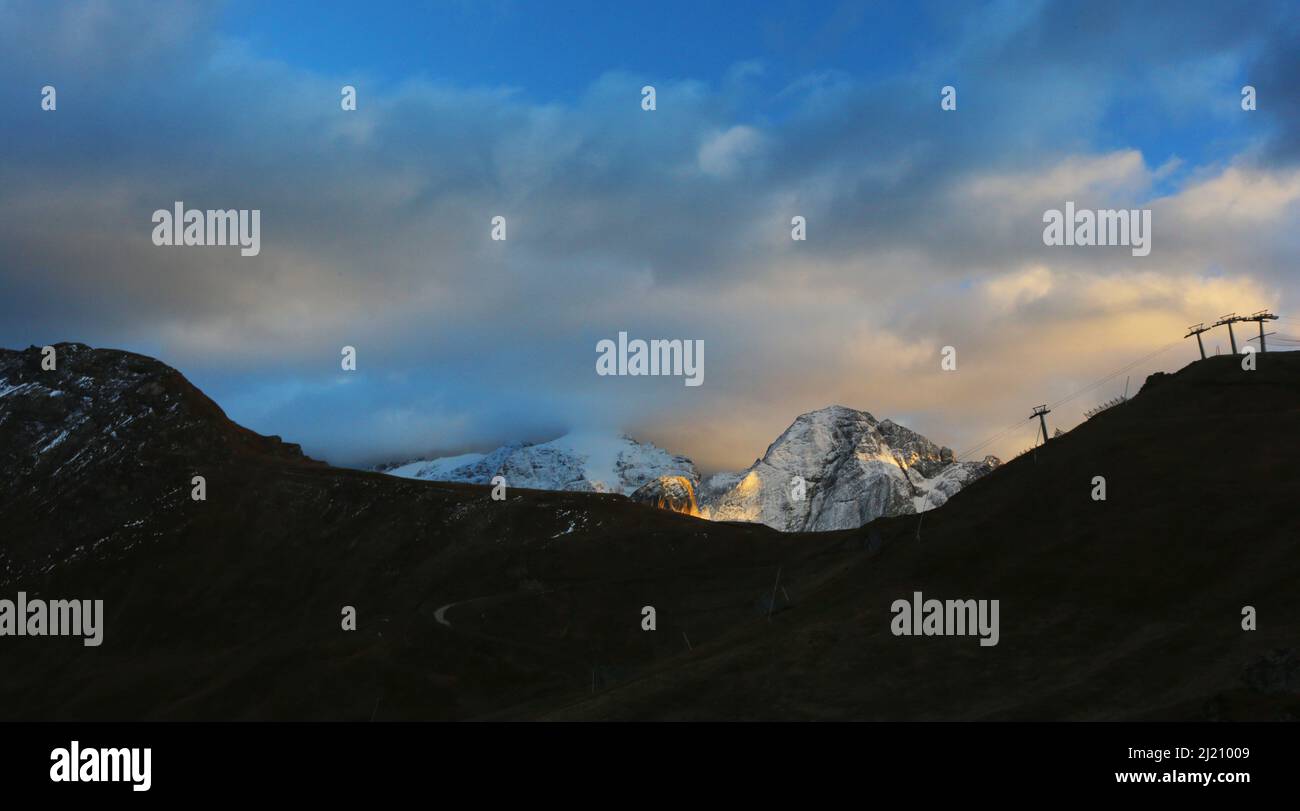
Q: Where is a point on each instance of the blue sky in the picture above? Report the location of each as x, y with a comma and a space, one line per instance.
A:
554, 50
551, 52
924, 226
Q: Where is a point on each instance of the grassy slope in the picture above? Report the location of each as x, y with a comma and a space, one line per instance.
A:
1128, 608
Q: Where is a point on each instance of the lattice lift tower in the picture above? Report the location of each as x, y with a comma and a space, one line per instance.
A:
1261, 317
1230, 319
1041, 413
1197, 329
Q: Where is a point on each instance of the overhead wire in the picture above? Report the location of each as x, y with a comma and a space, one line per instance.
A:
1126, 367
1276, 338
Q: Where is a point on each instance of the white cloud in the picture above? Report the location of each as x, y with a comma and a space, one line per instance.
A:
375, 228
723, 153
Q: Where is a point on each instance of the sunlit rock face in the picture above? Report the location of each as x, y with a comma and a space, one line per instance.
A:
838, 468
675, 493
853, 468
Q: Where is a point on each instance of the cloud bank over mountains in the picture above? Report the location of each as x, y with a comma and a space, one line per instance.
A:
924, 226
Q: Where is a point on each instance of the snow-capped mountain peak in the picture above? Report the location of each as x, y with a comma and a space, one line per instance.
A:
581, 460
838, 467
833, 468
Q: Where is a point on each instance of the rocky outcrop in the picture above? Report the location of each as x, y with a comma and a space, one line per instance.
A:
675, 493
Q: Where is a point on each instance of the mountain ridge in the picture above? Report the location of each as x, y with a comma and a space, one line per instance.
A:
897, 472
576, 461
531, 607
840, 468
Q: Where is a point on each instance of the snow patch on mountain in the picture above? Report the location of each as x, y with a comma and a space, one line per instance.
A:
582, 460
